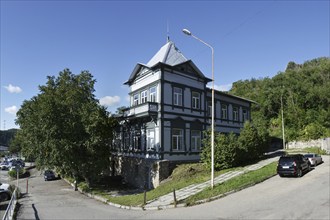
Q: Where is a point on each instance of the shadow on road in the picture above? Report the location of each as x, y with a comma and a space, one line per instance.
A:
35, 212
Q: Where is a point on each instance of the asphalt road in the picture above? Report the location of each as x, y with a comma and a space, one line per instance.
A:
276, 198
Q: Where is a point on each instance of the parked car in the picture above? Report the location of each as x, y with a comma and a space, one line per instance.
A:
293, 165
314, 159
49, 175
5, 193
4, 166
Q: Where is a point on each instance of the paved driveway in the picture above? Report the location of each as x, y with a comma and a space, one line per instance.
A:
276, 198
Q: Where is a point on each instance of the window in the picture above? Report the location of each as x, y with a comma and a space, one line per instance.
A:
137, 141
177, 93
209, 108
195, 140
144, 96
195, 100
224, 110
150, 139
153, 94
136, 99
177, 139
245, 115
235, 113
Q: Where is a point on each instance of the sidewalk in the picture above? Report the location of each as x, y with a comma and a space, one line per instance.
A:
167, 200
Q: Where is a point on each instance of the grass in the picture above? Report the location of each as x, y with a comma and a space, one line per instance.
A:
181, 177
315, 150
235, 183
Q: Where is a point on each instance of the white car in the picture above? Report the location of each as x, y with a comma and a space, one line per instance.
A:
4, 166
5, 193
314, 159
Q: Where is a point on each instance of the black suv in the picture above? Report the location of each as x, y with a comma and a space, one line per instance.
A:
293, 165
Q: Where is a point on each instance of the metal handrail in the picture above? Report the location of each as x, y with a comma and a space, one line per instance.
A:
11, 207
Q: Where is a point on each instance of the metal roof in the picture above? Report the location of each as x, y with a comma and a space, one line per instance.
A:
167, 54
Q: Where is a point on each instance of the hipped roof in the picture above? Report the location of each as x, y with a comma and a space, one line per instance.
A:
169, 55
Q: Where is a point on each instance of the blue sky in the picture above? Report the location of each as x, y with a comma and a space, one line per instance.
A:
251, 39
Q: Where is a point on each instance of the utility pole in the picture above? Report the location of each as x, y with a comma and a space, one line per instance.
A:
283, 136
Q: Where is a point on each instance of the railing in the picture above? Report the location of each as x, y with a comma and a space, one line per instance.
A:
11, 207
144, 108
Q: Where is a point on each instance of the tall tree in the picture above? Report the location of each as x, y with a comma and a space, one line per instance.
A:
305, 90
64, 127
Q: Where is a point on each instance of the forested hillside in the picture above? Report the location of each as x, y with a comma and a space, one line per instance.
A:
305, 91
6, 136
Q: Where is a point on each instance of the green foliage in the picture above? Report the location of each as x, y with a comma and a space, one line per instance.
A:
236, 183
13, 173
304, 89
231, 150
250, 142
7, 136
64, 127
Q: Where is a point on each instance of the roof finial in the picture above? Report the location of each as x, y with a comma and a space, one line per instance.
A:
168, 33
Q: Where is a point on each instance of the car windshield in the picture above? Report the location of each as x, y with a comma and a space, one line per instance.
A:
48, 172
309, 155
286, 159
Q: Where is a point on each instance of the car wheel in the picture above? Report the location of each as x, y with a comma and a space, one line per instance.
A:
299, 173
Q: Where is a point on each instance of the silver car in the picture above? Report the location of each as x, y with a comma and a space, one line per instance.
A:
314, 159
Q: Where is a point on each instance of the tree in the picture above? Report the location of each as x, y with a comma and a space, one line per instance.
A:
305, 90
226, 150
251, 143
65, 128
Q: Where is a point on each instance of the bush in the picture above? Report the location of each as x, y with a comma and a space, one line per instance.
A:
231, 150
22, 173
226, 150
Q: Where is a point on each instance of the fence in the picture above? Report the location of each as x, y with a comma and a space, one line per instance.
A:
323, 143
11, 207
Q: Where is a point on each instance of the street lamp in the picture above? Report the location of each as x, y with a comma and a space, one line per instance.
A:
283, 136
187, 32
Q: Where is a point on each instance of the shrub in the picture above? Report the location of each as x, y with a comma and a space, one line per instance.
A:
225, 150
231, 150
22, 173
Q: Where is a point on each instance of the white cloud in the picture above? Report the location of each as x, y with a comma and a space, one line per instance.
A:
110, 101
13, 89
11, 110
221, 87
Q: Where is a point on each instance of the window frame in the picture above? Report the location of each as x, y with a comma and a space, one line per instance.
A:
195, 100
153, 94
144, 96
195, 140
136, 99
177, 96
245, 114
235, 113
177, 139
224, 111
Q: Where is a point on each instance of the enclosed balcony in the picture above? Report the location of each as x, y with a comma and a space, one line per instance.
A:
142, 110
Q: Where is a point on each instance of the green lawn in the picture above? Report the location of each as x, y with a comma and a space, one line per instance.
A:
235, 183
185, 175
181, 177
